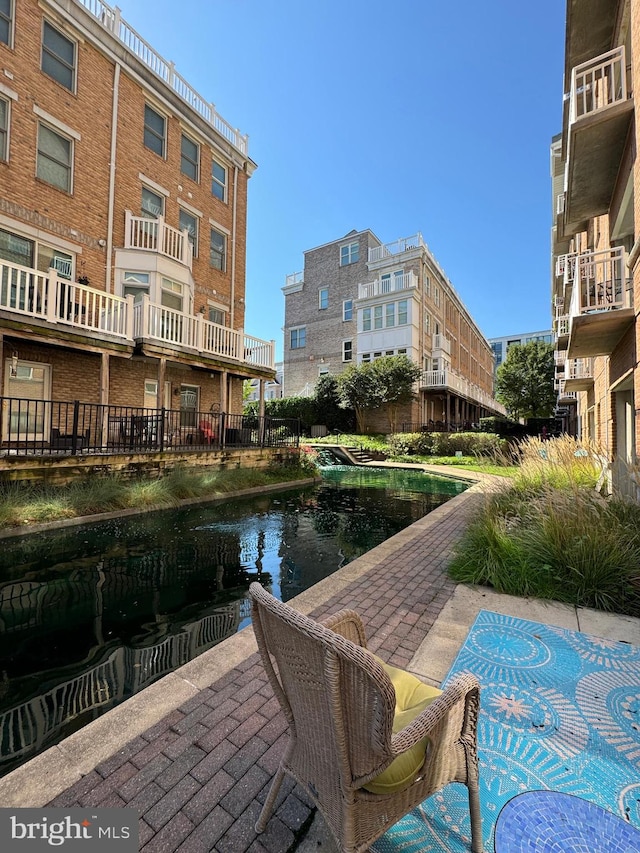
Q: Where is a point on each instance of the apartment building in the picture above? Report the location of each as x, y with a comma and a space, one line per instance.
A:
595, 250
123, 206
358, 299
500, 346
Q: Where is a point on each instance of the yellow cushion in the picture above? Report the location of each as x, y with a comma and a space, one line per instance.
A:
412, 697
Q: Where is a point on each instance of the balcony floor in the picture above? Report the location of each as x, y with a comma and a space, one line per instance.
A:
598, 333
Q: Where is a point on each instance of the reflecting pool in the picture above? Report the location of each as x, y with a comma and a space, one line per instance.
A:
91, 615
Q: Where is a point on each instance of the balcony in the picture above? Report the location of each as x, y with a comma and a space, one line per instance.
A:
565, 396
293, 283
154, 235
600, 111
43, 298
447, 380
600, 310
579, 374
440, 346
386, 285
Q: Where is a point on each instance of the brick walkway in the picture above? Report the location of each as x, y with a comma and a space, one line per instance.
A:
198, 777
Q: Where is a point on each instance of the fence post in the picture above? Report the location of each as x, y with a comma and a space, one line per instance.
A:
223, 431
74, 432
161, 430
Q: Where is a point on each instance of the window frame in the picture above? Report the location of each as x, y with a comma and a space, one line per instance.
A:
4, 130
347, 346
149, 214
402, 312
367, 319
56, 59
9, 18
153, 133
323, 299
222, 186
222, 254
184, 157
193, 238
349, 256
300, 335
69, 188
347, 310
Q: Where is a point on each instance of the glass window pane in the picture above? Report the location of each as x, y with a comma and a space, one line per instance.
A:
54, 158
5, 21
190, 223
152, 203
217, 250
189, 158
4, 116
16, 249
154, 128
58, 56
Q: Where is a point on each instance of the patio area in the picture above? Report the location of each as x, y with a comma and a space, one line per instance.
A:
194, 753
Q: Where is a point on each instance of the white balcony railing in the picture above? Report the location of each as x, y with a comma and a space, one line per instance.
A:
155, 322
294, 278
580, 368
385, 285
441, 343
598, 84
562, 325
26, 292
447, 379
565, 266
600, 282
112, 21
44, 296
563, 394
405, 244
154, 235
560, 357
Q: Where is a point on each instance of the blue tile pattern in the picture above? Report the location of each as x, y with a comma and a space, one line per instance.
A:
560, 711
548, 822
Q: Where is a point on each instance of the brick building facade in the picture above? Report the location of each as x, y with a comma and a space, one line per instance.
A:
595, 246
123, 216
358, 299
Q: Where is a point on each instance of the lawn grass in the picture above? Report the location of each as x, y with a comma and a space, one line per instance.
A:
25, 504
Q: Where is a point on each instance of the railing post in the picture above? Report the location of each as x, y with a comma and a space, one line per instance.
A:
129, 317
223, 431
145, 307
199, 341
52, 285
128, 243
74, 430
161, 430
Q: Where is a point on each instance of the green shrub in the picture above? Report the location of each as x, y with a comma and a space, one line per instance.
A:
411, 444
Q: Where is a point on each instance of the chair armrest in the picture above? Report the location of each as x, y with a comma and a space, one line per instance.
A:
349, 625
463, 688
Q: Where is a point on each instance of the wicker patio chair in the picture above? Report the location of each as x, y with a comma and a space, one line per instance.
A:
363, 771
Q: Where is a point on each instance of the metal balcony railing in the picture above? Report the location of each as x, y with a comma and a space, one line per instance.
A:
598, 84
601, 282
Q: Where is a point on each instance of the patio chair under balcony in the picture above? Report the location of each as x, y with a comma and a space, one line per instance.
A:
367, 741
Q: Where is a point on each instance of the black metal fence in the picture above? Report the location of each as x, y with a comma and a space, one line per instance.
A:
68, 428
440, 426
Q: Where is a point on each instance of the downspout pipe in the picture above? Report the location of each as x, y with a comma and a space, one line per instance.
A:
233, 247
112, 174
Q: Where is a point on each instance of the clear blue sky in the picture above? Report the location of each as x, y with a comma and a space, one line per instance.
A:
398, 116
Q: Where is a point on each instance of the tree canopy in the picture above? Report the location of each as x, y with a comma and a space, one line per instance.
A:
386, 382
524, 383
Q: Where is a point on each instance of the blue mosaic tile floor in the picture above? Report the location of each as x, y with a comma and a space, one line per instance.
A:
560, 711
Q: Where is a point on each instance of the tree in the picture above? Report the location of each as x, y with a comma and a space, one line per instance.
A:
397, 375
360, 390
386, 382
524, 382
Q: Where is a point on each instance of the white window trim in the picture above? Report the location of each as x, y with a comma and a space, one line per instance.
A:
56, 123
322, 290
297, 329
196, 247
215, 224
348, 246
7, 129
152, 189
349, 341
190, 208
152, 185
344, 303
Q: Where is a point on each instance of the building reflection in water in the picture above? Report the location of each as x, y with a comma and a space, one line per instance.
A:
90, 616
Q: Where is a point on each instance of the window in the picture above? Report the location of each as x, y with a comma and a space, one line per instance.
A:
366, 319
150, 393
171, 296
298, 337
349, 254
4, 128
347, 310
436, 295
366, 357
154, 130
217, 250
16, 249
427, 323
152, 204
427, 285
347, 350
55, 154
135, 284
189, 222
390, 314
403, 312
323, 298
216, 315
189, 157
377, 316
189, 395
218, 181
5, 21
58, 56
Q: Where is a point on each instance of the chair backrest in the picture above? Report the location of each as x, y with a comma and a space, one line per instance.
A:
337, 697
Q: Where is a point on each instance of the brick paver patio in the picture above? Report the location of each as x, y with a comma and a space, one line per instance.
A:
199, 776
